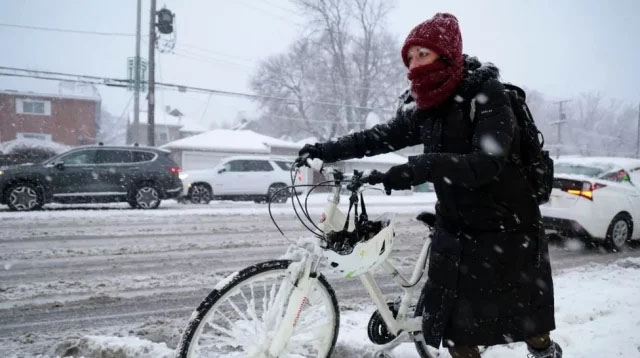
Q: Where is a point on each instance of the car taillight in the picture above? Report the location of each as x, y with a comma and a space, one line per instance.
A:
586, 191
174, 170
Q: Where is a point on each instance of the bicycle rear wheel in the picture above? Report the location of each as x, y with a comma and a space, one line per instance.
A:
240, 318
424, 350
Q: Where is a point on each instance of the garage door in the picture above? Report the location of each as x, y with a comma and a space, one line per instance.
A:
201, 160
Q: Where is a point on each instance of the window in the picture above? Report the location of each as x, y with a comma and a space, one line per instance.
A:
569, 168
237, 166
142, 156
619, 176
284, 165
34, 107
259, 166
81, 157
38, 136
106, 156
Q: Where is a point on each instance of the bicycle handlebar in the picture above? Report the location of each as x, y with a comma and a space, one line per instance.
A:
359, 178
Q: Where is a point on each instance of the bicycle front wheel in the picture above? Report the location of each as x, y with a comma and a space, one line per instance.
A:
240, 318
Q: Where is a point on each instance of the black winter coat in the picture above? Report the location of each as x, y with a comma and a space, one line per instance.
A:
489, 272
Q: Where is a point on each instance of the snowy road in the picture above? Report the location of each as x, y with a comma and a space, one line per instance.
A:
68, 272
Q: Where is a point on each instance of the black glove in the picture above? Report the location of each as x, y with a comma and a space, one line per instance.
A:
398, 177
309, 151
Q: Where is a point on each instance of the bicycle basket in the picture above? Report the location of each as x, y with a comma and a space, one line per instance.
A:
355, 258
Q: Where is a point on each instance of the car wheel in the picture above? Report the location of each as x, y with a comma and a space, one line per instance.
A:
276, 195
146, 196
200, 194
24, 197
619, 232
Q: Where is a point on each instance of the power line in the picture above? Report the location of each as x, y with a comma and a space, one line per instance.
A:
115, 82
93, 82
83, 32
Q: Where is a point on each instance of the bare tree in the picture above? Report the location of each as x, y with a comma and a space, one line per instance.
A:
595, 125
345, 68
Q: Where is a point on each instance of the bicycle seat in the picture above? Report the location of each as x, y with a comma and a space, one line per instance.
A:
427, 218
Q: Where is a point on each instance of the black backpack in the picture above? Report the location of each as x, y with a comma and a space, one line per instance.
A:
535, 162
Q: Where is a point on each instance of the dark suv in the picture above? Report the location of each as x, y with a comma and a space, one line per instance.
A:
141, 176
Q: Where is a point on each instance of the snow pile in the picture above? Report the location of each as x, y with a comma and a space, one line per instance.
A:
9, 146
115, 347
597, 315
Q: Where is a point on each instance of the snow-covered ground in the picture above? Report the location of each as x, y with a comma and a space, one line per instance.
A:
106, 281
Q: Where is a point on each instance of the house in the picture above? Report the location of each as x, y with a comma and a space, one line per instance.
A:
169, 126
207, 149
65, 119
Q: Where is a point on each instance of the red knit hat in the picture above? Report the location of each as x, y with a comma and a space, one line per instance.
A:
441, 33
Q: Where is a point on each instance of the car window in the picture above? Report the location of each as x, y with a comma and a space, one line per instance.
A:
237, 166
110, 156
142, 156
80, 157
578, 169
259, 166
284, 165
620, 176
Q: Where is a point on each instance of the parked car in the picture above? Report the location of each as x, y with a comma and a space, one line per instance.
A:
239, 177
595, 198
140, 176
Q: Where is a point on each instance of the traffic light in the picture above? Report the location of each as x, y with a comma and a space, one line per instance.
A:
165, 21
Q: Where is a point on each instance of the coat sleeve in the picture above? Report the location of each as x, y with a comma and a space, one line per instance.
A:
495, 126
398, 133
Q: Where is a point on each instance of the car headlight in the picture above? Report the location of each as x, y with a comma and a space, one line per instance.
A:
183, 176
1, 172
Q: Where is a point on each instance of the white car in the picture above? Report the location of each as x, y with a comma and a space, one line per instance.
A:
240, 177
595, 198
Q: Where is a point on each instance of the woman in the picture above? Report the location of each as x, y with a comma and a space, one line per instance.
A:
489, 273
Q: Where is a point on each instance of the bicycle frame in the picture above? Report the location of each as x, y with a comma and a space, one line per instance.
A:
334, 219
305, 272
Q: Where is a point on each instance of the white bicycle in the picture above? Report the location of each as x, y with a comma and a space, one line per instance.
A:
286, 308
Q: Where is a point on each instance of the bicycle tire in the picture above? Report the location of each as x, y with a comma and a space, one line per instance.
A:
422, 348
206, 311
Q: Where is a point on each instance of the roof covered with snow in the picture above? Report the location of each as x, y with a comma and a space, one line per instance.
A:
227, 140
50, 95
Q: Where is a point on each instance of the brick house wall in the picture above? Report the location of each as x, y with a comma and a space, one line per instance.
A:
63, 119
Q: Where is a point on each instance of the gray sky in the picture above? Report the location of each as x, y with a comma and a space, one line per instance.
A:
561, 48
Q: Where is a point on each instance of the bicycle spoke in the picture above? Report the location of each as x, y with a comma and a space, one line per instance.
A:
238, 311
244, 321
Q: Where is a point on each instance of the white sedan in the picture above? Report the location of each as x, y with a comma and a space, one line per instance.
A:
595, 198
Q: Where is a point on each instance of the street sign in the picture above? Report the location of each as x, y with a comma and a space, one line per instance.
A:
131, 64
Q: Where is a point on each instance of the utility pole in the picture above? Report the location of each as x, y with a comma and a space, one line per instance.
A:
561, 120
136, 85
151, 134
